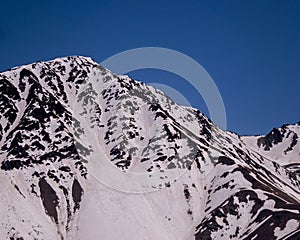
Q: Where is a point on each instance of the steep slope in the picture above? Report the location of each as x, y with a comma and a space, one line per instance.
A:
86, 154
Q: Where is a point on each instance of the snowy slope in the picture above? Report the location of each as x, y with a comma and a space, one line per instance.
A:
86, 154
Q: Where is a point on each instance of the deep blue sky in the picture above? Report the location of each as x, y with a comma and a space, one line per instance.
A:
250, 48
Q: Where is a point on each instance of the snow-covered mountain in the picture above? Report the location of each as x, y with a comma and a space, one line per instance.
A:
281, 144
86, 154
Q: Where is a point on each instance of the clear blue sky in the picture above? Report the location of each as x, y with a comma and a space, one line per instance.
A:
250, 48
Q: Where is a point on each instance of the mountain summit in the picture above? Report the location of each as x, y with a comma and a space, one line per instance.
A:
86, 154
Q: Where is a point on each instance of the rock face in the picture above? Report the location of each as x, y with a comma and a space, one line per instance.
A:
86, 154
